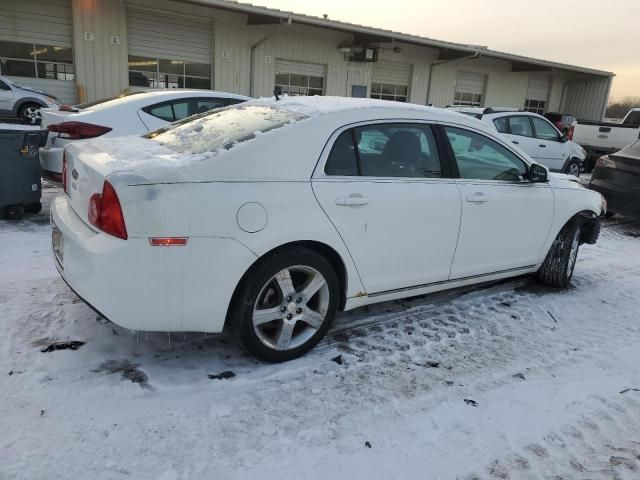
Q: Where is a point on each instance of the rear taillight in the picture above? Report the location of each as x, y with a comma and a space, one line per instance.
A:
64, 170
78, 130
570, 132
105, 212
605, 162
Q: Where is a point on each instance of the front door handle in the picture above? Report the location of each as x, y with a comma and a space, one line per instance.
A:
516, 142
477, 197
542, 146
353, 200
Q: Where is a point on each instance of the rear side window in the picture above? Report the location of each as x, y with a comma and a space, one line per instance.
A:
386, 150
481, 158
163, 112
520, 125
222, 129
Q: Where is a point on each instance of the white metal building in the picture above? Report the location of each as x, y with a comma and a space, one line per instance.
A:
88, 49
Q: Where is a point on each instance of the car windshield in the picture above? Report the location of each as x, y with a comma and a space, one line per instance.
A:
82, 106
210, 131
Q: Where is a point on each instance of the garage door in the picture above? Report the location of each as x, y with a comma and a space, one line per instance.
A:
299, 78
169, 51
537, 91
469, 89
390, 80
36, 39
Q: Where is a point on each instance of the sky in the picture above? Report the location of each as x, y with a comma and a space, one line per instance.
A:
591, 33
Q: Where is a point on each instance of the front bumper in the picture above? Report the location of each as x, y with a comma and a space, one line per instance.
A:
51, 163
141, 287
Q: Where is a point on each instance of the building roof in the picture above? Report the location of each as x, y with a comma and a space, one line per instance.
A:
265, 14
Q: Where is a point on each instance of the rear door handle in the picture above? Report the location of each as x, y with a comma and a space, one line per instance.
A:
542, 146
477, 197
353, 200
516, 142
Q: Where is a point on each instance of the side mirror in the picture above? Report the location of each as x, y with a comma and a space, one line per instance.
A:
538, 174
564, 138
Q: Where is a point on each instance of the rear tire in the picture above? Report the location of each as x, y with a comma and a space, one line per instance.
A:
285, 304
30, 113
34, 208
15, 212
573, 168
558, 266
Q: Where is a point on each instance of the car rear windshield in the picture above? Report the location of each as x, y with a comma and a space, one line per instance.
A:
222, 129
82, 106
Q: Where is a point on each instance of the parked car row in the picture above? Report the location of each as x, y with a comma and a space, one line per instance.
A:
265, 218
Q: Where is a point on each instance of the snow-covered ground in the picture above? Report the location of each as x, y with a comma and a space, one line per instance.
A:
17, 126
513, 380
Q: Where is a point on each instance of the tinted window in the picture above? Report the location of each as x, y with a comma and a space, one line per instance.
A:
206, 104
481, 158
502, 124
633, 119
544, 130
181, 109
519, 125
163, 112
342, 159
221, 129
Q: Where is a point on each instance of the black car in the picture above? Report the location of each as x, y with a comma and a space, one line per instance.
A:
617, 177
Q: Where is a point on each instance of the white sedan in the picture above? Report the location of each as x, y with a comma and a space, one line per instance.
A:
132, 113
267, 217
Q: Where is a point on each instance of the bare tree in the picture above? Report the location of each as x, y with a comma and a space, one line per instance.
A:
619, 109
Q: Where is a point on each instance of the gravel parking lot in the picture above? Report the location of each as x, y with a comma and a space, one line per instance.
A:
510, 380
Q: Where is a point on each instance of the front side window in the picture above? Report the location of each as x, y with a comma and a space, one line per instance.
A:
519, 125
389, 91
222, 129
633, 119
544, 130
386, 150
36, 61
480, 158
534, 106
294, 84
502, 124
166, 73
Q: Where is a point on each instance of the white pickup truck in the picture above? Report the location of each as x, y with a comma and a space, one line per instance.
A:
602, 138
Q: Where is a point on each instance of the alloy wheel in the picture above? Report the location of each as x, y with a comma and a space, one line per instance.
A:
291, 307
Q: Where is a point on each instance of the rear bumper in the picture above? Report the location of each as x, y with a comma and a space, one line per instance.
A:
51, 163
141, 287
619, 200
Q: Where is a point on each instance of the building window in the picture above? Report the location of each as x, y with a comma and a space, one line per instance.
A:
162, 73
36, 61
389, 91
535, 106
295, 84
467, 99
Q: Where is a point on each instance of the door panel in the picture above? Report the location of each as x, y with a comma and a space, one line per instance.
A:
551, 151
6, 99
505, 218
382, 188
404, 236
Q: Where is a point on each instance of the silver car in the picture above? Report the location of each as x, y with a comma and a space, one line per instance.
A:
24, 103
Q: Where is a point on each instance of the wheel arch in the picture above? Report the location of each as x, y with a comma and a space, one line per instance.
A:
586, 216
23, 101
323, 249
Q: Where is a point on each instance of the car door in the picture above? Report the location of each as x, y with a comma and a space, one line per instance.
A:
388, 193
6, 99
553, 152
505, 218
518, 130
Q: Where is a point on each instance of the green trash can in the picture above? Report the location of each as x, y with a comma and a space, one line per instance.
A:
20, 172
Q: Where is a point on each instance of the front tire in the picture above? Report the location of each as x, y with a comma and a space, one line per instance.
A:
30, 113
558, 266
573, 168
285, 304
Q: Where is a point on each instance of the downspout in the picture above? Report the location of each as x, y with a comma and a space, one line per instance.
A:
256, 45
473, 56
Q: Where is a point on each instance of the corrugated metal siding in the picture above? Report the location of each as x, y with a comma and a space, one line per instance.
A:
586, 99
538, 88
46, 22
470, 82
63, 90
170, 37
391, 72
